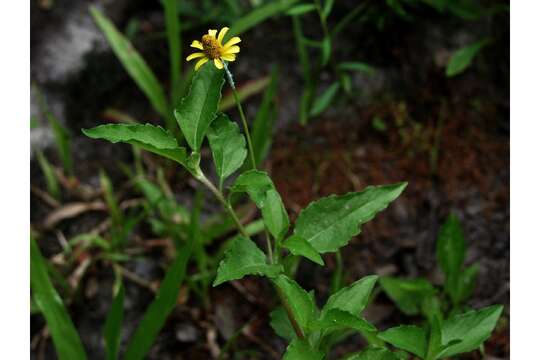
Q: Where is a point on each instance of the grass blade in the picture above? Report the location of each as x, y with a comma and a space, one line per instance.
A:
53, 188
113, 325
66, 340
158, 311
133, 63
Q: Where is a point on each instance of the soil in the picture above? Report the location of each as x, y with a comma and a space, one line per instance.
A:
448, 138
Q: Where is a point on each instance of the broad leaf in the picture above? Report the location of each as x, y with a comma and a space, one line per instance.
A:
451, 247
279, 321
301, 350
299, 246
353, 298
336, 319
148, 137
66, 340
255, 183
155, 316
113, 325
472, 328
244, 258
463, 57
228, 146
466, 283
373, 353
299, 301
331, 222
198, 109
410, 338
274, 214
133, 63
408, 294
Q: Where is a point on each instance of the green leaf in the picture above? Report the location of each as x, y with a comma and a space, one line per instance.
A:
463, 57
373, 353
451, 247
244, 258
472, 328
133, 63
279, 321
323, 101
66, 340
466, 283
301, 350
113, 325
258, 15
327, 8
299, 246
336, 319
301, 9
353, 298
410, 338
408, 294
148, 137
245, 91
299, 301
274, 215
330, 223
255, 183
174, 41
326, 51
228, 146
357, 66
53, 187
198, 109
158, 311
261, 134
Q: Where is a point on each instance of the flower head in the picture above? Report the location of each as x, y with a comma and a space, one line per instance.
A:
214, 49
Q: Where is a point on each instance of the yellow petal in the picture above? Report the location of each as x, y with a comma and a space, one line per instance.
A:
218, 63
228, 57
235, 40
222, 33
200, 63
232, 50
197, 45
212, 32
194, 56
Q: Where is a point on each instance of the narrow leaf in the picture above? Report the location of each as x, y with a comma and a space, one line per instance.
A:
299, 246
279, 321
198, 109
132, 62
53, 187
244, 258
323, 101
274, 215
301, 9
451, 247
302, 350
113, 325
158, 311
300, 302
357, 66
327, 8
463, 57
228, 146
326, 50
353, 298
410, 338
331, 222
66, 340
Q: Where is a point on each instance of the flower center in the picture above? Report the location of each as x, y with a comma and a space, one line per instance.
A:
211, 47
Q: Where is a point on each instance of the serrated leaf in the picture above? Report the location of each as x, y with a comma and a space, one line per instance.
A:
113, 325
353, 298
301, 350
299, 301
324, 100
373, 353
336, 319
451, 247
463, 57
66, 340
408, 294
133, 63
148, 137
279, 321
255, 183
472, 328
330, 223
157, 313
299, 246
300, 9
274, 214
198, 109
228, 146
244, 258
410, 338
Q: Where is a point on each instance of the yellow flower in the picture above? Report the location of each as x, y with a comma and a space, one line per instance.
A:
213, 49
